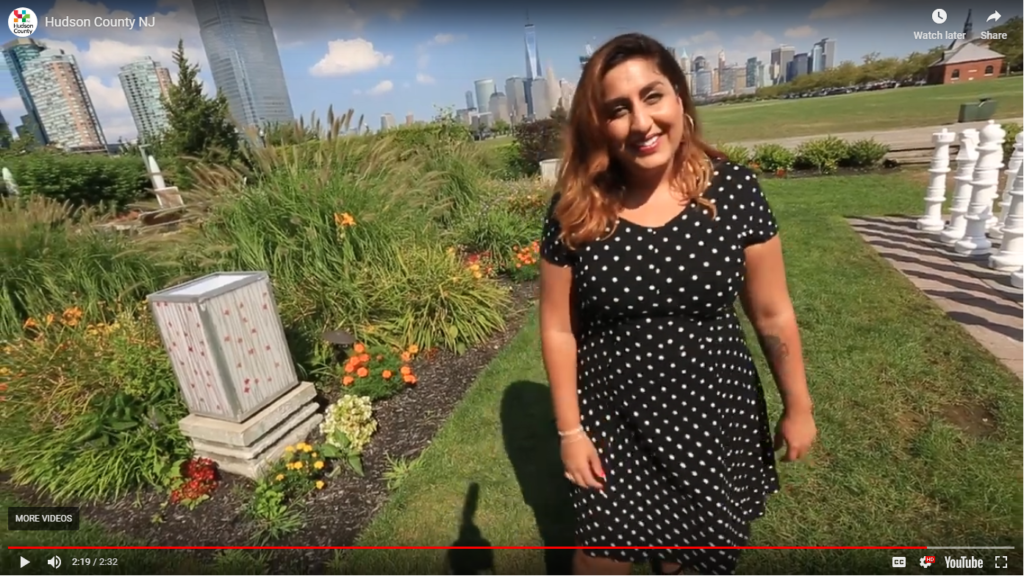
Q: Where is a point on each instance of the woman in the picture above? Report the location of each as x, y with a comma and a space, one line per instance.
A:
661, 414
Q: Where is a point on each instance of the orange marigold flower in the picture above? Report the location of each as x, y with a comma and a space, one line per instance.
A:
359, 348
364, 358
387, 374
413, 349
409, 379
406, 370
348, 380
406, 357
362, 372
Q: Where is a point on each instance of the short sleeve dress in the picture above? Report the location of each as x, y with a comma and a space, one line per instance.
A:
668, 390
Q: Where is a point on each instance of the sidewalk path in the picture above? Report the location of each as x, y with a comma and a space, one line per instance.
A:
979, 298
920, 137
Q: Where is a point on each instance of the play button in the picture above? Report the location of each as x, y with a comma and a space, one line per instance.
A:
23, 562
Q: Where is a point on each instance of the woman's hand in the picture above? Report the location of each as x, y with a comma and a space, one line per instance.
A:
796, 431
582, 464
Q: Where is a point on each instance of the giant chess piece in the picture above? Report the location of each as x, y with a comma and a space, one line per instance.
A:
935, 197
984, 185
966, 158
1012, 164
1017, 278
1011, 252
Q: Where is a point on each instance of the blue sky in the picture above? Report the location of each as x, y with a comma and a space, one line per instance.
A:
410, 56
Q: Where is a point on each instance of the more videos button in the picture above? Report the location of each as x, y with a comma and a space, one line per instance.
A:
42, 518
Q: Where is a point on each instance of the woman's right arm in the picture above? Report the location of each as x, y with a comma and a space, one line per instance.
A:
558, 343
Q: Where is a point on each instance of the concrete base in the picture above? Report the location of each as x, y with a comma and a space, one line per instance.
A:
248, 448
1017, 279
973, 247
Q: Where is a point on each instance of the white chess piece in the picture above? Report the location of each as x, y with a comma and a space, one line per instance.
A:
935, 197
1017, 278
1012, 164
1011, 252
993, 221
984, 185
966, 158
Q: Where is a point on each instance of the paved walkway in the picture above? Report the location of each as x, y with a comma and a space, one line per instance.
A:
981, 299
920, 137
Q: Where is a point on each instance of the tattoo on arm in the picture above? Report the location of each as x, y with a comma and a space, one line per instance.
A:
774, 347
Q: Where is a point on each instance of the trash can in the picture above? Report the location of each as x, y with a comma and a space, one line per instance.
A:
983, 109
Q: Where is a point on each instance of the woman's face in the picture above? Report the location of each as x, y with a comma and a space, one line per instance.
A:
644, 115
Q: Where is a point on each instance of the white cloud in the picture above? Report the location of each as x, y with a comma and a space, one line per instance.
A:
800, 32
349, 57
702, 39
440, 39
425, 78
842, 9
382, 87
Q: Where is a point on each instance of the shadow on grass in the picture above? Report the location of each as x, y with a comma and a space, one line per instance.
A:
531, 443
480, 561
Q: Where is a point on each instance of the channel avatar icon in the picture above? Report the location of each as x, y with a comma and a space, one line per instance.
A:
23, 22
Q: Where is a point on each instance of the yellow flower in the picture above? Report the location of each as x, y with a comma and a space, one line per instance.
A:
4, 370
318, 464
280, 477
319, 484
289, 448
307, 448
314, 455
298, 465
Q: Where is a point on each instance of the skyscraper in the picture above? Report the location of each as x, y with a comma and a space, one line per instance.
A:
780, 63
824, 55
539, 98
469, 100
533, 67
515, 91
65, 109
498, 107
554, 90
17, 55
484, 89
387, 121
145, 83
244, 60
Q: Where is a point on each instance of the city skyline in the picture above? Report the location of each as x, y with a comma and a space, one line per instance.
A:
409, 56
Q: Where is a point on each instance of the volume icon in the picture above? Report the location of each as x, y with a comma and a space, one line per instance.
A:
54, 562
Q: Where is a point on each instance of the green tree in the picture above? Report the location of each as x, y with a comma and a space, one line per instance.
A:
1012, 47
199, 127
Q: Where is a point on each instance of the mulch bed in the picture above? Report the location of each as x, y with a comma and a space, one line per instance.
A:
336, 515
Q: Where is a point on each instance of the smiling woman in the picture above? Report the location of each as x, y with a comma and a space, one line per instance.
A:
664, 427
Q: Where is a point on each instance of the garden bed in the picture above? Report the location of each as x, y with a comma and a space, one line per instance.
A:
335, 515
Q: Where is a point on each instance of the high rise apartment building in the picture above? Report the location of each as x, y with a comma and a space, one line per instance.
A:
484, 89
244, 60
18, 53
146, 84
58, 93
515, 91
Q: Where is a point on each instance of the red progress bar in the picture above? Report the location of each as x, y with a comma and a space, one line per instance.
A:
467, 547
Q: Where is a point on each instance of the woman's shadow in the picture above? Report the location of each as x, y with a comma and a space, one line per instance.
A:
531, 442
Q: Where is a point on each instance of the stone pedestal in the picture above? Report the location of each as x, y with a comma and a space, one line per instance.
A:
1012, 165
248, 448
935, 197
1017, 279
975, 243
1011, 253
966, 159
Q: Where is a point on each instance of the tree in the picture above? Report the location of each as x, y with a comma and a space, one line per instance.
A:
199, 127
1012, 47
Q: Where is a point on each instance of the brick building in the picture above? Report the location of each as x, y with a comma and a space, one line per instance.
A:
966, 60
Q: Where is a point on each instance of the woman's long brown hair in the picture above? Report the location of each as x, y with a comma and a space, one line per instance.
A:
590, 182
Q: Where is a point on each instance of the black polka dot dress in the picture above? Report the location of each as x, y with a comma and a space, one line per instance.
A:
668, 390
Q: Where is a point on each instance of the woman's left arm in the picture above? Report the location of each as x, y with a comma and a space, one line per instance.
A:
766, 302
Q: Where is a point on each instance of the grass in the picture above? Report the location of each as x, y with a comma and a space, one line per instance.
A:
884, 364
858, 112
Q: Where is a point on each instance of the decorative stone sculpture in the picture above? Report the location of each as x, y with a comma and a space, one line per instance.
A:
966, 158
1011, 252
232, 363
935, 197
984, 185
1012, 164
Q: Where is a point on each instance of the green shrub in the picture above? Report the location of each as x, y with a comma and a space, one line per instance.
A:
438, 133
773, 157
822, 154
735, 153
91, 409
864, 154
538, 140
50, 252
1012, 129
81, 179
504, 162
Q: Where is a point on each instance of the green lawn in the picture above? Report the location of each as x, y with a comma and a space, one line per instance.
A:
859, 112
885, 365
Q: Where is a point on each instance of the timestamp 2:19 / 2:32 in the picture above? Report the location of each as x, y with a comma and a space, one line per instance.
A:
94, 562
